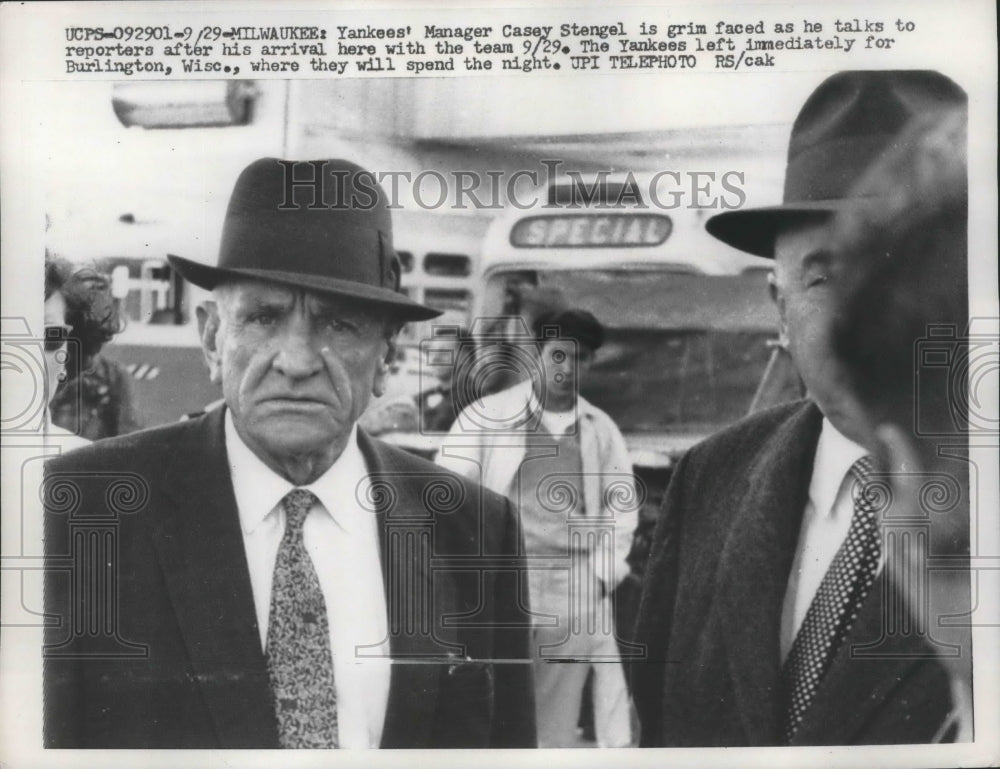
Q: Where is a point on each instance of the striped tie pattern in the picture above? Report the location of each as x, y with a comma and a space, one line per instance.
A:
299, 661
835, 607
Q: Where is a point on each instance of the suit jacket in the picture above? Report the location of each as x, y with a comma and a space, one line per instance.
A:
711, 608
153, 640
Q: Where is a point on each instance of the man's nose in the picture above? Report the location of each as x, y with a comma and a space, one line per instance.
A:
298, 352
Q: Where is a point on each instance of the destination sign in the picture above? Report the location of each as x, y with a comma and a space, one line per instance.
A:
612, 229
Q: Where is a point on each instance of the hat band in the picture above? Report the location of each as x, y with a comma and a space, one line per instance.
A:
277, 241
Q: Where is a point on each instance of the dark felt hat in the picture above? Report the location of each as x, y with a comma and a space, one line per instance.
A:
318, 224
845, 126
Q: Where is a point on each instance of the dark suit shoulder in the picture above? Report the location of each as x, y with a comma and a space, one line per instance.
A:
741, 441
462, 507
391, 458
151, 445
711, 479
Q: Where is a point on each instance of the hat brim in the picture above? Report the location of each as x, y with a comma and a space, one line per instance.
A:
400, 307
754, 229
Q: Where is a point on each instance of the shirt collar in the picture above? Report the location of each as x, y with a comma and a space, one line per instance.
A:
835, 453
258, 489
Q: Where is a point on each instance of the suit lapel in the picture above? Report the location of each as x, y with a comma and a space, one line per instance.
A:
757, 557
199, 544
418, 641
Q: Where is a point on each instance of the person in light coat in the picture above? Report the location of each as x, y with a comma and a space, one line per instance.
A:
565, 465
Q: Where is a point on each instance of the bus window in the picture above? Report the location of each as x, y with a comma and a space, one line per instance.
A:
161, 295
448, 265
512, 289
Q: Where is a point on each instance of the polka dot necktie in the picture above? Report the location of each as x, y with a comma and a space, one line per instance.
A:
299, 661
835, 607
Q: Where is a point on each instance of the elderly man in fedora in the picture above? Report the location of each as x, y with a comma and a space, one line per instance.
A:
266, 575
764, 604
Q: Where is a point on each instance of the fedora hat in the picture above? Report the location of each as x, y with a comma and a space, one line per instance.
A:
847, 124
317, 224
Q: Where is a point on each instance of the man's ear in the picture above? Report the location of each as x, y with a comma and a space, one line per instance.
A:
208, 331
778, 297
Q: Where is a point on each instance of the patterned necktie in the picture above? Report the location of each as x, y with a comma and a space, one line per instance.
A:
835, 607
299, 661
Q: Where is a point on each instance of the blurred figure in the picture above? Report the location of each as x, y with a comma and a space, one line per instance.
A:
445, 367
564, 463
891, 308
439, 405
95, 399
524, 301
56, 344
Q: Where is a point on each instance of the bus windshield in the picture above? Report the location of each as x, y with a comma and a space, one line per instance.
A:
684, 351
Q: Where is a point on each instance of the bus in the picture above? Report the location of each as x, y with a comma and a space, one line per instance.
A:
691, 331
439, 259
159, 348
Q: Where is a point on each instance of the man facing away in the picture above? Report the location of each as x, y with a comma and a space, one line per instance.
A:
764, 600
902, 333
564, 463
266, 575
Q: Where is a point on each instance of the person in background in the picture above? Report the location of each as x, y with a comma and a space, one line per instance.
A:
499, 341
445, 368
55, 345
892, 310
564, 464
95, 399
451, 361
765, 575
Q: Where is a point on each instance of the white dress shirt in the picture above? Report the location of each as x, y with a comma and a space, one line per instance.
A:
825, 523
342, 540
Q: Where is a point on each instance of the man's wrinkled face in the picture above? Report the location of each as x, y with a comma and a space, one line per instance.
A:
806, 273
297, 368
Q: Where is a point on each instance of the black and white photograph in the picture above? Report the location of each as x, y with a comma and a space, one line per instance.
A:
573, 377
